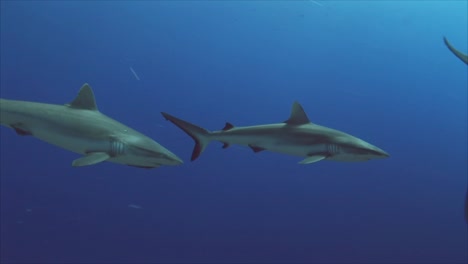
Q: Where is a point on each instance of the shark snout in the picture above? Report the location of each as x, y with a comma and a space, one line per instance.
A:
363, 151
152, 154
384, 154
379, 153
172, 159
167, 158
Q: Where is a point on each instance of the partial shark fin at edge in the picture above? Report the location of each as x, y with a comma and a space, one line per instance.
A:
463, 57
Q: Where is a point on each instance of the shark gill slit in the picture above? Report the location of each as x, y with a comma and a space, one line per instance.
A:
116, 148
332, 149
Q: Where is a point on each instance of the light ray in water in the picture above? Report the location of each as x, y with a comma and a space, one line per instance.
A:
317, 3
134, 73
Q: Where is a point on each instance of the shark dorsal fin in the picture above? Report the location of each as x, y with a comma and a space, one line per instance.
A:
298, 116
228, 126
84, 99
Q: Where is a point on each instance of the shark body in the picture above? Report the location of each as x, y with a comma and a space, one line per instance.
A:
463, 57
80, 127
296, 136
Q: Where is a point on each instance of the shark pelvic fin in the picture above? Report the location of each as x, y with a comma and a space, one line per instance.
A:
298, 116
91, 159
256, 149
84, 99
21, 130
312, 159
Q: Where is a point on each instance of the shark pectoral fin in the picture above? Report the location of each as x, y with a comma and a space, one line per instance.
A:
256, 149
91, 159
312, 159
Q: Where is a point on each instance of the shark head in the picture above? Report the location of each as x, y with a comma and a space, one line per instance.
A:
331, 144
349, 148
106, 139
141, 151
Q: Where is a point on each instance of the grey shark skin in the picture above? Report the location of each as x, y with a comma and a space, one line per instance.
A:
80, 127
464, 58
459, 54
296, 136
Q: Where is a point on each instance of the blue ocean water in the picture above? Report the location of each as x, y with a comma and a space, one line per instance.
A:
376, 69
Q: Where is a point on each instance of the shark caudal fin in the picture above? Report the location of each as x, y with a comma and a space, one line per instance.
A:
459, 54
198, 134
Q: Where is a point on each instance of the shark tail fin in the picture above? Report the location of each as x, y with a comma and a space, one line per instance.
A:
459, 54
198, 134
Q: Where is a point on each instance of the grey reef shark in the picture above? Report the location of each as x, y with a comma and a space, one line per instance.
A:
459, 54
80, 127
296, 136
463, 57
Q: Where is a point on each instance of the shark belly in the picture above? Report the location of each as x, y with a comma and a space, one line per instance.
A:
274, 143
74, 144
301, 150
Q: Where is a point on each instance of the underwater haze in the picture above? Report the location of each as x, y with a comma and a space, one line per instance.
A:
378, 70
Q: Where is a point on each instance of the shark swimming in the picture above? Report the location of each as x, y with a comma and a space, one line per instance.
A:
80, 127
459, 54
296, 136
463, 57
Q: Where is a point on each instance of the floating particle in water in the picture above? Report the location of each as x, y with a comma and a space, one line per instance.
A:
134, 73
135, 206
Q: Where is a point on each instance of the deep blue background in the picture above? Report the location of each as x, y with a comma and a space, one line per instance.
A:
379, 71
